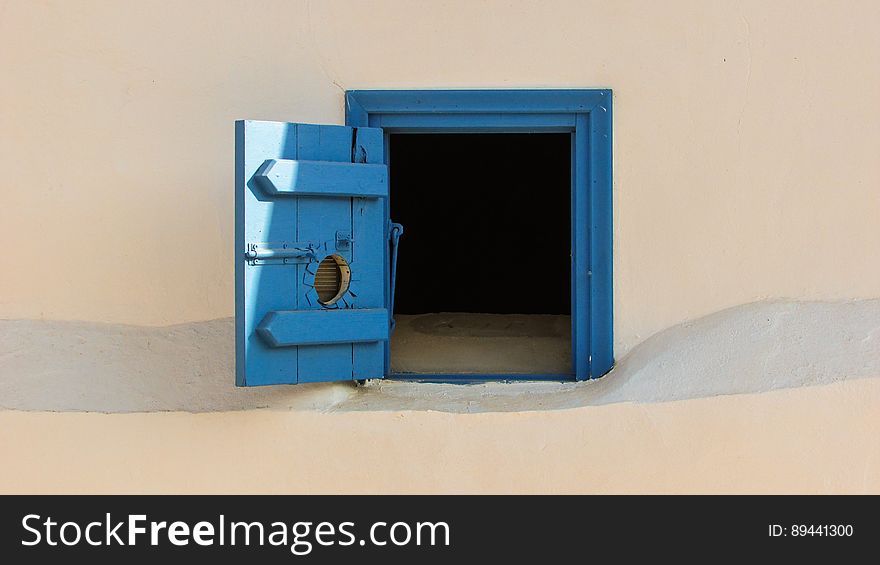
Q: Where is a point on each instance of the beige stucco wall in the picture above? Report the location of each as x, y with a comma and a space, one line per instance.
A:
807, 440
746, 138
746, 144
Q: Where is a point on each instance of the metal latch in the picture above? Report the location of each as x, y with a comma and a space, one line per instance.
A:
279, 253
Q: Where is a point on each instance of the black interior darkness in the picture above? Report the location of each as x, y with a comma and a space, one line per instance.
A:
487, 222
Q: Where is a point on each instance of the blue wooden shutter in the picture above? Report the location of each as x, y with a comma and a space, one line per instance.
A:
304, 193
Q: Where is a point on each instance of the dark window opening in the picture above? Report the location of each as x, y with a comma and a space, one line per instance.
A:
487, 222
484, 266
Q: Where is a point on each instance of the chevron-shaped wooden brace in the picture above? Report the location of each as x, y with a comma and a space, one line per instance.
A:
280, 177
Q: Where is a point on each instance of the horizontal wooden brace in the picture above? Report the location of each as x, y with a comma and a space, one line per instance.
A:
284, 328
290, 177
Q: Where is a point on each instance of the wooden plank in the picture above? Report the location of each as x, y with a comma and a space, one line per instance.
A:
476, 123
386, 234
319, 218
282, 177
580, 288
369, 255
286, 328
601, 242
259, 289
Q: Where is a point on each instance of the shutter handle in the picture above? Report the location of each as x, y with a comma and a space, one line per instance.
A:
395, 231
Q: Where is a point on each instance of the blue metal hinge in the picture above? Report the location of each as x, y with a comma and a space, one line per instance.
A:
395, 230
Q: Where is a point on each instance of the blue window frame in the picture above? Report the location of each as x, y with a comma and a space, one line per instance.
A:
586, 115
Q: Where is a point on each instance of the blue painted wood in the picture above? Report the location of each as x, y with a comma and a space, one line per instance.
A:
354, 109
584, 112
286, 328
369, 218
271, 219
386, 213
548, 101
276, 216
601, 241
573, 283
260, 219
288, 177
239, 243
580, 251
476, 123
320, 363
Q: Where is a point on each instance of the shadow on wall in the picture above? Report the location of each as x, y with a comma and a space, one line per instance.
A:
80, 366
